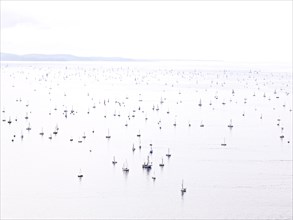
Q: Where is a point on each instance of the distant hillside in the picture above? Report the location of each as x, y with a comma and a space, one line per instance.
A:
56, 57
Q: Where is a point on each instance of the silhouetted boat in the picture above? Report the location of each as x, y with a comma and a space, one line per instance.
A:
114, 161
168, 154
108, 136
183, 189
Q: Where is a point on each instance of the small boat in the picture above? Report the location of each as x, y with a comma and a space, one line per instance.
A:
114, 161
199, 104
183, 190
133, 148
224, 144
80, 175
151, 151
29, 127
162, 164
154, 176
168, 154
42, 132
139, 144
148, 164
138, 135
108, 136
125, 167
201, 124
230, 125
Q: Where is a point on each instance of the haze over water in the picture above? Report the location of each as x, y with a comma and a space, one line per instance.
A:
249, 178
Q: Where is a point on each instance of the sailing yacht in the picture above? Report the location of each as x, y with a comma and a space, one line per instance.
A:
230, 125
148, 164
139, 144
154, 176
42, 132
108, 136
162, 164
151, 151
168, 154
183, 190
29, 127
114, 161
80, 175
201, 124
199, 104
125, 167
224, 144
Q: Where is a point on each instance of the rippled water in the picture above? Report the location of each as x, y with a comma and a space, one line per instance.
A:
251, 177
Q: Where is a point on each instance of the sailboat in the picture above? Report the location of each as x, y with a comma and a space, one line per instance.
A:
199, 104
114, 161
139, 144
148, 164
29, 127
42, 132
56, 130
108, 136
201, 124
183, 190
125, 167
168, 154
154, 176
162, 164
230, 125
224, 144
80, 175
138, 135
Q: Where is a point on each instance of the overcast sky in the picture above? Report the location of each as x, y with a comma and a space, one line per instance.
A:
218, 30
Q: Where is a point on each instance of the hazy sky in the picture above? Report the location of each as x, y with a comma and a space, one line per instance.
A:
224, 30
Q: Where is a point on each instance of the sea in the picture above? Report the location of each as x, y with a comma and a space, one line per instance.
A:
226, 125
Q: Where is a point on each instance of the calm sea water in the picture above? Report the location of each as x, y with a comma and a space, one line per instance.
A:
250, 178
